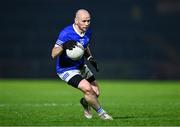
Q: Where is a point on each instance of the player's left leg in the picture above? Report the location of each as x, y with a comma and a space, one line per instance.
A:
103, 115
95, 87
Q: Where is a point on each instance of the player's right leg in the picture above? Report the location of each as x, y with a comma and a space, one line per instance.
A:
73, 78
87, 108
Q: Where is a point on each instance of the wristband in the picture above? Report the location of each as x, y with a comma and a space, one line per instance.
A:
89, 57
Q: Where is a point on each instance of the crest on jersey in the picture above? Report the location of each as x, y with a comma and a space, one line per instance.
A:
81, 41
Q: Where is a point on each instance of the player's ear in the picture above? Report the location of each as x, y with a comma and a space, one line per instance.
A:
76, 21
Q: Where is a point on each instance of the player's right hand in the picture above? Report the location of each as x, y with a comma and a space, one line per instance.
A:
69, 45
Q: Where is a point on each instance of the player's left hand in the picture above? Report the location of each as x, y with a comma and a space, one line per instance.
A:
94, 64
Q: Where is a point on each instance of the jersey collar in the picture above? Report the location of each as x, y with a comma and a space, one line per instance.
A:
81, 35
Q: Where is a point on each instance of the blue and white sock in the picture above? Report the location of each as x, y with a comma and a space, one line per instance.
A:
100, 110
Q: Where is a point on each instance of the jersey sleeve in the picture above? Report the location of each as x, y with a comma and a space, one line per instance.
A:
61, 38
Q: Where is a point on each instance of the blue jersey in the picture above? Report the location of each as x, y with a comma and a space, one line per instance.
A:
63, 63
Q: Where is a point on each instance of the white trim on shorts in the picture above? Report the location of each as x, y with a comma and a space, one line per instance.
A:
85, 72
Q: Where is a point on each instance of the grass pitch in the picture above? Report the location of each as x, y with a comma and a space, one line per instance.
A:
53, 103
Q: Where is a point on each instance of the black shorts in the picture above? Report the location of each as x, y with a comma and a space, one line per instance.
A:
75, 80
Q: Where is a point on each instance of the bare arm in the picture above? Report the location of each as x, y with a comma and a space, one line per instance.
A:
56, 51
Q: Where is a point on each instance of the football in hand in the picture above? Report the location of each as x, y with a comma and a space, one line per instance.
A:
76, 53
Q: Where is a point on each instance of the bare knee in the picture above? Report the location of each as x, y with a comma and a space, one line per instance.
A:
95, 87
97, 94
85, 86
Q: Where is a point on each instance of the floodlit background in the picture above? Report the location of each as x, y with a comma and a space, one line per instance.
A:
133, 39
137, 46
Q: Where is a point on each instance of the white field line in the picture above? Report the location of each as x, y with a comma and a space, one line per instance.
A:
40, 105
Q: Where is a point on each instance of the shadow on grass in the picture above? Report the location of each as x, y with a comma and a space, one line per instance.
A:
123, 117
139, 117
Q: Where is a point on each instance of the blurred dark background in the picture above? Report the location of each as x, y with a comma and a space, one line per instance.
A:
133, 39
